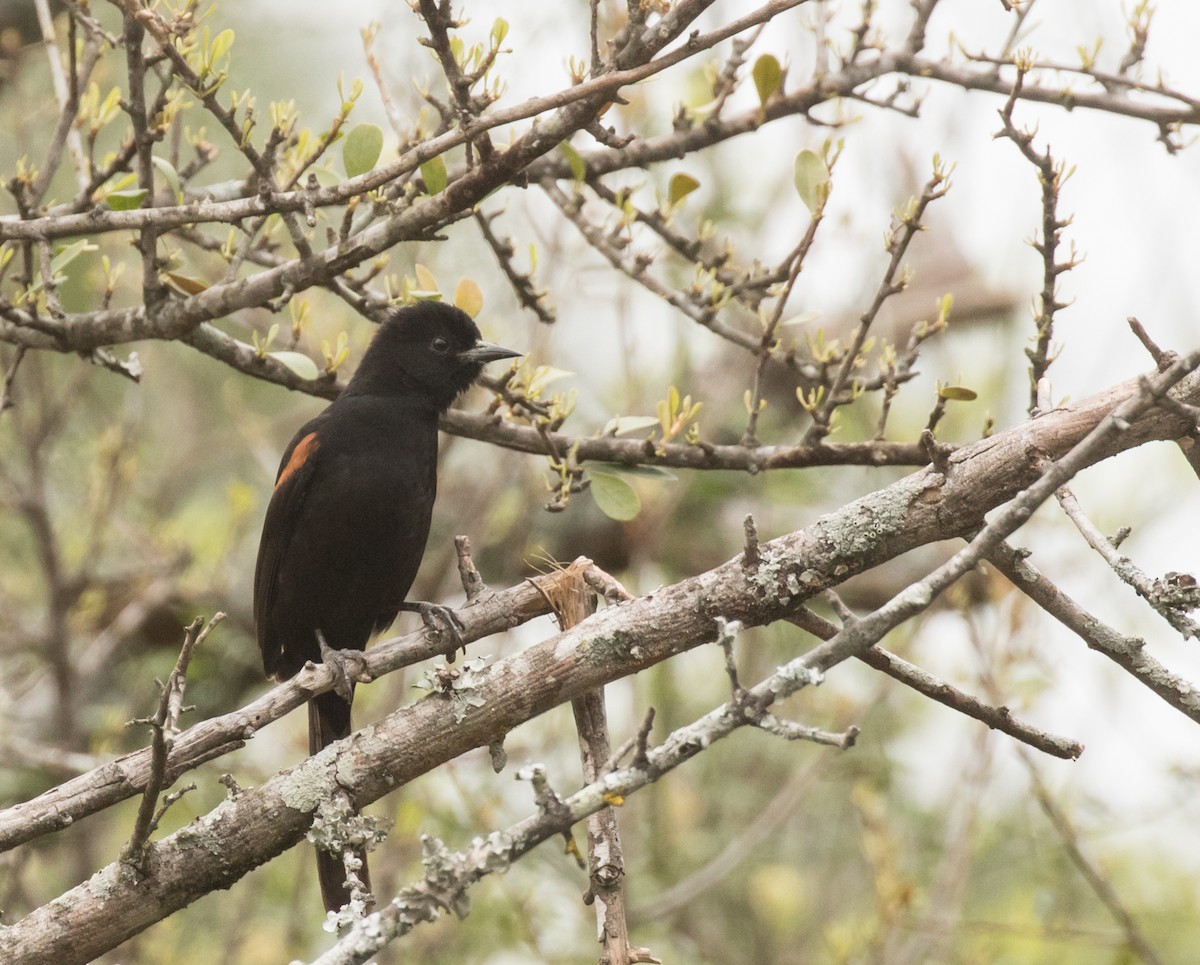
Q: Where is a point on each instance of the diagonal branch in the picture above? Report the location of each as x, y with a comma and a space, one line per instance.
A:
260, 823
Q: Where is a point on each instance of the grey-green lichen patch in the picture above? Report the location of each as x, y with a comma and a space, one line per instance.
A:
101, 884
776, 577
444, 875
347, 769
461, 684
337, 827
612, 646
200, 834
856, 531
309, 784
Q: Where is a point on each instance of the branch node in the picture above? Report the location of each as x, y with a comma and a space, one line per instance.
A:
1162, 358
939, 452
605, 584
472, 582
641, 756
750, 554
498, 754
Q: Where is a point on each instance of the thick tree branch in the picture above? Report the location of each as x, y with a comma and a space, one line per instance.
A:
260, 823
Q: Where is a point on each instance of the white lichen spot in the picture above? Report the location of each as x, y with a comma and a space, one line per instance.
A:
460, 684
801, 675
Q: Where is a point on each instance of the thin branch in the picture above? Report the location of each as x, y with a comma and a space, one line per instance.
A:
1129, 653
164, 726
6, 391
56, 224
904, 229
129, 775
448, 875
1170, 600
522, 283
795, 264
997, 718
573, 602
1051, 176
66, 90
1092, 873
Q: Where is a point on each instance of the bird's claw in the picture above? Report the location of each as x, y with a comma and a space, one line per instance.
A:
440, 622
346, 665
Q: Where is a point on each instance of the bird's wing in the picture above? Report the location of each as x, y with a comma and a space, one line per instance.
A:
296, 471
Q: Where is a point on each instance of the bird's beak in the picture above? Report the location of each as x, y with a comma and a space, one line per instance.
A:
483, 352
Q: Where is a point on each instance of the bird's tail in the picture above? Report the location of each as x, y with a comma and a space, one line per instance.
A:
328, 721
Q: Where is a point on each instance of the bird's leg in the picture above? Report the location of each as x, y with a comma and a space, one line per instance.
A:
345, 664
439, 621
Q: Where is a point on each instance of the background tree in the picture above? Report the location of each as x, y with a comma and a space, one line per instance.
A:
785, 440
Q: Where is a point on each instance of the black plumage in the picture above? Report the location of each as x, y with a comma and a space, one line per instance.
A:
348, 519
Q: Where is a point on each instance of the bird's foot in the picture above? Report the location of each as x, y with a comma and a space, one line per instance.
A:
441, 622
346, 665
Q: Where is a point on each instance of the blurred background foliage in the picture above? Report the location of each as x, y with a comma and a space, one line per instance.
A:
127, 509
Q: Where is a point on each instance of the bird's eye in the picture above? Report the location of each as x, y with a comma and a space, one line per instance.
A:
440, 345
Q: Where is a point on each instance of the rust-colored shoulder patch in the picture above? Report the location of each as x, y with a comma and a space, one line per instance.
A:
304, 448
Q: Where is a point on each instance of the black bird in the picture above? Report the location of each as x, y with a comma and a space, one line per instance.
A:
347, 523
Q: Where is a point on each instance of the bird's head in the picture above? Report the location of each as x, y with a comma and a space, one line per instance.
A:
429, 349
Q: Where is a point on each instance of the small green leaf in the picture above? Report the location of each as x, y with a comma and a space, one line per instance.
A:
629, 423
433, 173
361, 149
615, 497
499, 31
957, 393
220, 46
574, 161
298, 362
120, 184
69, 254
768, 77
811, 177
635, 469
125, 200
468, 297
680, 187
170, 175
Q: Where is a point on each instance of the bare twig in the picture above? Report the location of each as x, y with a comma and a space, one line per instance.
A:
1129, 653
926, 684
6, 391
1051, 175
1090, 870
1171, 601
522, 283
472, 582
740, 847
66, 90
573, 603
164, 727
795, 264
